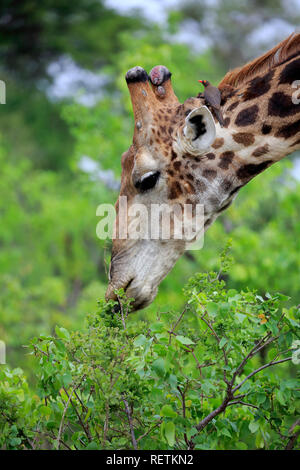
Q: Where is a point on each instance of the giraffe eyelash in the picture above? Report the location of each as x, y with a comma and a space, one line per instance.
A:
147, 181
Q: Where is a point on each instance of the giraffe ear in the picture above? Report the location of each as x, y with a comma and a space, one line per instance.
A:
199, 131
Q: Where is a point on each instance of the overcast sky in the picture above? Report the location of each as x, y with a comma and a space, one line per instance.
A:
156, 9
153, 9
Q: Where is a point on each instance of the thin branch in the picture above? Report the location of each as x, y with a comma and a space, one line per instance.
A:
122, 312
182, 394
171, 332
128, 412
228, 400
256, 348
223, 348
239, 402
204, 422
106, 422
292, 441
85, 428
272, 363
293, 438
58, 440
150, 430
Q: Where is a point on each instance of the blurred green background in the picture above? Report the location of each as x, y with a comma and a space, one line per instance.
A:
66, 122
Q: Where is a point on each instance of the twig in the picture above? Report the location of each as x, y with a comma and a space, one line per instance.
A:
256, 348
239, 402
293, 438
150, 430
128, 412
228, 400
182, 393
272, 363
106, 422
85, 428
63, 418
171, 332
223, 348
292, 441
204, 422
122, 312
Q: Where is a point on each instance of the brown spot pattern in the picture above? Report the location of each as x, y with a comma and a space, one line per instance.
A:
232, 106
289, 130
247, 116
175, 190
177, 165
290, 72
201, 186
218, 143
297, 142
252, 169
244, 138
209, 173
210, 156
258, 86
261, 151
266, 129
173, 155
281, 105
226, 122
225, 159
226, 185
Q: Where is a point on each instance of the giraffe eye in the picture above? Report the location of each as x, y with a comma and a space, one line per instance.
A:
147, 181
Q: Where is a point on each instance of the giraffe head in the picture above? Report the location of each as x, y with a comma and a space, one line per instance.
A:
181, 155
168, 138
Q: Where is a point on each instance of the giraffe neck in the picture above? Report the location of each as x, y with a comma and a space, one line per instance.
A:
262, 126
262, 117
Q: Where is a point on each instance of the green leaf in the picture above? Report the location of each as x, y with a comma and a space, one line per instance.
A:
169, 429
92, 446
45, 410
67, 379
253, 426
260, 398
159, 366
241, 445
223, 342
225, 432
168, 411
184, 340
280, 397
241, 317
212, 309
157, 327
173, 381
15, 441
140, 340
62, 333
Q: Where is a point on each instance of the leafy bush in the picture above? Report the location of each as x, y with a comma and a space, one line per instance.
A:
212, 377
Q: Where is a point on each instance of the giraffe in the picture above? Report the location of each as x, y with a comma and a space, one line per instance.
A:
181, 155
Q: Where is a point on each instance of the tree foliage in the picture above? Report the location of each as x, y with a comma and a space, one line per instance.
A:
189, 380
53, 267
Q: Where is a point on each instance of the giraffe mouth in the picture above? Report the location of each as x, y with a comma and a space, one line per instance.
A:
128, 285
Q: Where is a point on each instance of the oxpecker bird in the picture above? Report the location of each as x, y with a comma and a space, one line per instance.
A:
212, 97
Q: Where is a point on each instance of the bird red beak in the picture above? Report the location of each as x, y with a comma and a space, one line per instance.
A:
201, 81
